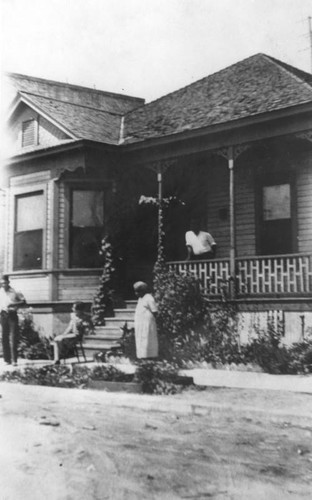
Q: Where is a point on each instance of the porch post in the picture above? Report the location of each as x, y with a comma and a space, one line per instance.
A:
160, 212
160, 168
232, 222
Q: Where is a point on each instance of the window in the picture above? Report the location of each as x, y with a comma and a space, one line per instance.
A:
28, 234
277, 218
29, 133
87, 227
276, 202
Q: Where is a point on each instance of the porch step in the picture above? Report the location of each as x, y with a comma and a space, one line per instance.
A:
119, 322
124, 313
108, 336
97, 343
131, 304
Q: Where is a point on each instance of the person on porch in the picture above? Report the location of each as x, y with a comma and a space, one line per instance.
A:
145, 328
200, 244
10, 301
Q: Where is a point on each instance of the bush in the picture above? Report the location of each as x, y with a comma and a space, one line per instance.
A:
128, 343
181, 306
301, 357
31, 345
110, 374
65, 375
266, 350
103, 301
158, 377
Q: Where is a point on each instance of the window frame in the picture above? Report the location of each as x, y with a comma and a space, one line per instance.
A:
274, 179
82, 186
24, 192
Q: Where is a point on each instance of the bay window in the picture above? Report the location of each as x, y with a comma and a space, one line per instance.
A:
28, 231
86, 228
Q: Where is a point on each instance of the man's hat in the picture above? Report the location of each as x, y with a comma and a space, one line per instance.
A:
5, 277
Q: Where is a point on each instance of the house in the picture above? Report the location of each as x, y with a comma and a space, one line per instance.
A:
234, 148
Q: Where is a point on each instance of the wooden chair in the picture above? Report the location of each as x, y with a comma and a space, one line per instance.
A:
79, 345
73, 347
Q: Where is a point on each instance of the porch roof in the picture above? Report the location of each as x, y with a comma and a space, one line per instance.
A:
254, 86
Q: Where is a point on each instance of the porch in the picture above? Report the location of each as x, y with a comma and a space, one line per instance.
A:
271, 276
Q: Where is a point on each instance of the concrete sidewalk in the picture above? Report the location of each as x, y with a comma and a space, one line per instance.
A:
250, 380
208, 377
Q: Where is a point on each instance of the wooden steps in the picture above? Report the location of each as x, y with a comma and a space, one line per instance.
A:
108, 337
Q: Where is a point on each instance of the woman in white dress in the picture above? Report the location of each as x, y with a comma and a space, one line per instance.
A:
146, 339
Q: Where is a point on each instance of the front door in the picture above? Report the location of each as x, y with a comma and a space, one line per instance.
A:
276, 221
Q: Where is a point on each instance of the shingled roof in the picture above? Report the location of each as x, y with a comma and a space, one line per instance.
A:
256, 85
75, 94
86, 113
82, 121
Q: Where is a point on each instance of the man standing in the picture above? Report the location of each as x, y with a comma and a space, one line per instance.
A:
10, 300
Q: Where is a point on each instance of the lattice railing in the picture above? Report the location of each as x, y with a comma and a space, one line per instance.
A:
255, 276
213, 274
275, 275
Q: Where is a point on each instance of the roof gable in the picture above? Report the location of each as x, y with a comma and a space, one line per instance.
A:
31, 130
82, 122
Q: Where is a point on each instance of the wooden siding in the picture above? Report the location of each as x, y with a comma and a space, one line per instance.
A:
218, 199
47, 134
16, 129
73, 286
245, 205
304, 204
35, 287
245, 212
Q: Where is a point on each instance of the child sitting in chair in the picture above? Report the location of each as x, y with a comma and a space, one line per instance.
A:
75, 331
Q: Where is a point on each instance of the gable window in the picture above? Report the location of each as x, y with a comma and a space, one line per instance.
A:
28, 233
86, 228
29, 133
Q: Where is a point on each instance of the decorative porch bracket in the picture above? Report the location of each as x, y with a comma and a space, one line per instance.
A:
160, 167
231, 153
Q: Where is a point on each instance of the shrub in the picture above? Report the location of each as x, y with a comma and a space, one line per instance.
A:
110, 374
158, 377
266, 350
128, 343
103, 301
31, 345
301, 357
65, 375
181, 305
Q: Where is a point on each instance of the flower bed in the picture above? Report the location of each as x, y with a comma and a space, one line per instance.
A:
150, 377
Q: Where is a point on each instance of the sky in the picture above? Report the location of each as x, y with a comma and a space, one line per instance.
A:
147, 48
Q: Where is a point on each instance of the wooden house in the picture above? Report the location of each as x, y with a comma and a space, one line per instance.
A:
234, 149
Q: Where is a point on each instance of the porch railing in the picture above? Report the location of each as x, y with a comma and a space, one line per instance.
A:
270, 275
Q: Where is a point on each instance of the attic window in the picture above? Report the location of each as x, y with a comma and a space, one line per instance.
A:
29, 129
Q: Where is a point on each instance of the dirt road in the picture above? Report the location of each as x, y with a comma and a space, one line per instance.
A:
63, 444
